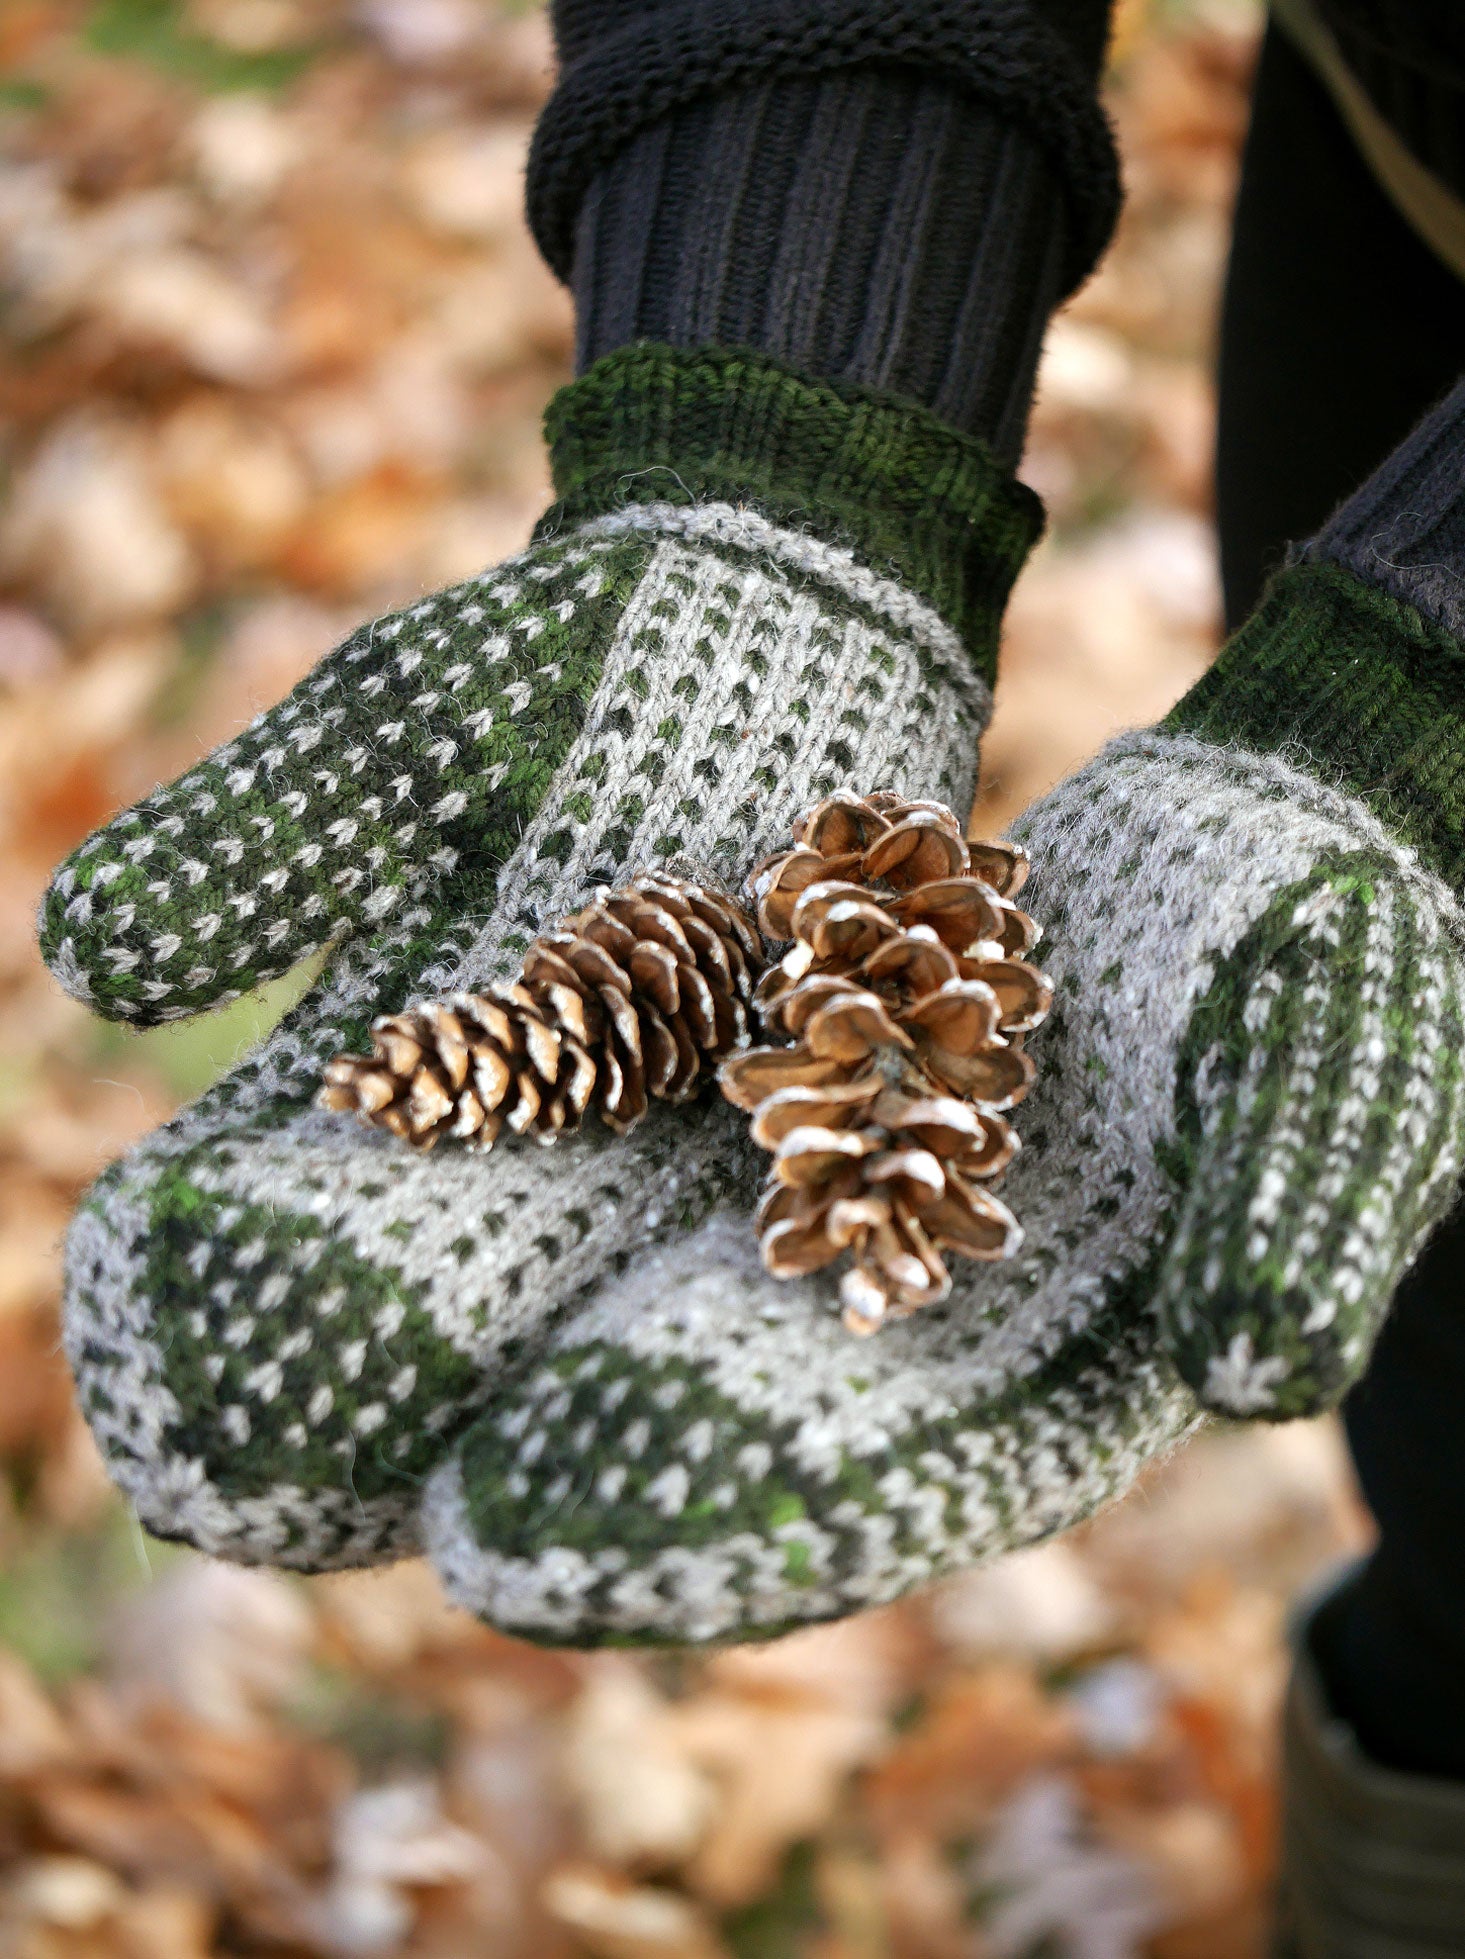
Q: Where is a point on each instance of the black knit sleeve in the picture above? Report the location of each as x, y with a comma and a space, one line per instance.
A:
629, 63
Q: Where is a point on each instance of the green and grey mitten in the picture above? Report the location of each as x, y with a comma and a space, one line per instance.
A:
1249, 1113
754, 589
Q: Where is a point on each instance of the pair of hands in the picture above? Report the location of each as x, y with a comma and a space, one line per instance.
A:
564, 1370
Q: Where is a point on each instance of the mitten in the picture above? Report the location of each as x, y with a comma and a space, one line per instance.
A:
753, 589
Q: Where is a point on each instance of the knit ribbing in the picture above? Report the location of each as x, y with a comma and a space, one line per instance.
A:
868, 226
881, 478
1355, 681
1404, 531
626, 69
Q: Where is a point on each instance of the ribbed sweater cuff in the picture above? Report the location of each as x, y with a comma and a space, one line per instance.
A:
1404, 529
619, 78
870, 227
908, 496
1362, 690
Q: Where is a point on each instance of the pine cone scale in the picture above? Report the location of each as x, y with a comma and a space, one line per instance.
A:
897, 1019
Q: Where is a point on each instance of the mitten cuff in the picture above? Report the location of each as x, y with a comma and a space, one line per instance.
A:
880, 478
1363, 687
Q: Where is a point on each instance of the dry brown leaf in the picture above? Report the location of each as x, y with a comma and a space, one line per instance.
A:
63, 1907
865, 1665
243, 147
643, 1802
1192, 1848
29, 650
233, 482
620, 1920
389, 1844
1045, 1603
465, 180
385, 1620
346, 537
84, 524
221, 1644
35, 1388
981, 1735
66, 1892
927, 1904
33, 1734
780, 1768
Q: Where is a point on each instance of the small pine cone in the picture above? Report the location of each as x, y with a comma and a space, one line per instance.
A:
468, 1066
955, 1003
891, 895
635, 998
947, 1044
870, 1157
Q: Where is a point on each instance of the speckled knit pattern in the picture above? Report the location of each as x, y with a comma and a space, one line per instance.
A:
276, 1318
279, 1320
564, 1369
415, 756
1258, 994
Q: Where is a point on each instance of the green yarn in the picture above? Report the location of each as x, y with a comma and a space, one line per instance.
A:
416, 751
786, 1540
1362, 690
1319, 1091
1249, 1111
906, 494
1250, 1105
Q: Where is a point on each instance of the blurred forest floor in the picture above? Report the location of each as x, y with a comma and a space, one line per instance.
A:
276, 343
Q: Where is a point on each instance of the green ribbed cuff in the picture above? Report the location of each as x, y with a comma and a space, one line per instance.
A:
912, 498
1361, 690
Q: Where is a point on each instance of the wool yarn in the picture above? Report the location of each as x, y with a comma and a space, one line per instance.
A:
279, 1321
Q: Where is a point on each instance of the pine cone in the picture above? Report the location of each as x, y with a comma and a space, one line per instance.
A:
892, 1179
906, 1005
636, 997
881, 841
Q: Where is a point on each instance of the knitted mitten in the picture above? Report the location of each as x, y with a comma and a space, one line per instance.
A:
754, 589
1249, 1112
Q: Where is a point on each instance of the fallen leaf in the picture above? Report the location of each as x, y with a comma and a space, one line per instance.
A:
643, 1801
222, 1644
619, 1920
85, 524
1053, 1888
780, 1768
1045, 1602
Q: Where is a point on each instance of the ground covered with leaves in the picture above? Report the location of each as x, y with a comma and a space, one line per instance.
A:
276, 343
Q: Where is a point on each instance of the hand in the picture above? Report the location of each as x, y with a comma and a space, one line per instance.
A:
1248, 1110
280, 1320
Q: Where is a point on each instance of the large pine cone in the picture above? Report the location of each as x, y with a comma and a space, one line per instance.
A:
636, 997
904, 990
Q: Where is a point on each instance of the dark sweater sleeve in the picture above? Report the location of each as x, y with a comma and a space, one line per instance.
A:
870, 228
1409, 61
629, 64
